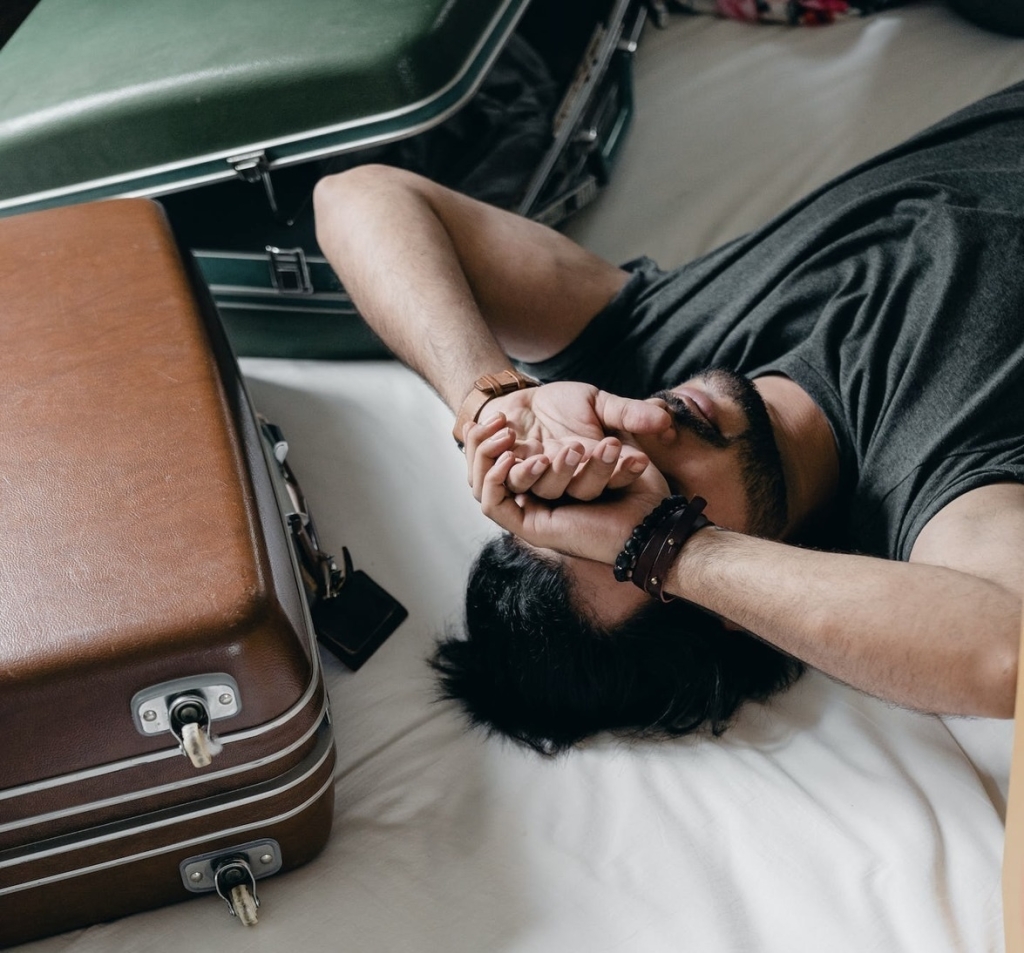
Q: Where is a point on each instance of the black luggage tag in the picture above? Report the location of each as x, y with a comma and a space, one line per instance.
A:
356, 620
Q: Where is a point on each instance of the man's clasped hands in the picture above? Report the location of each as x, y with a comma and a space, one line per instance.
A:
559, 467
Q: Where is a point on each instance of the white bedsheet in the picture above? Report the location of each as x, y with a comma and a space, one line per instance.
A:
826, 821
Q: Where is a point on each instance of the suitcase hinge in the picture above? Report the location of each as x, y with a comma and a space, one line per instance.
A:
255, 167
352, 615
289, 270
323, 573
320, 570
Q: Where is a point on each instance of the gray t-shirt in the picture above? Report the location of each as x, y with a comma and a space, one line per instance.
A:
894, 296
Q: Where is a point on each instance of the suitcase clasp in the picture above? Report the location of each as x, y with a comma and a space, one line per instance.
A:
233, 874
236, 886
186, 707
190, 724
289, 270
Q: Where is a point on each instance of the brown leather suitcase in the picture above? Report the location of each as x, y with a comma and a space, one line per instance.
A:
152, 611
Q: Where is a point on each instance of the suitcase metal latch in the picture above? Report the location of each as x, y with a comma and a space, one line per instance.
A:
233, 874
289, 270
236, 886
186, 707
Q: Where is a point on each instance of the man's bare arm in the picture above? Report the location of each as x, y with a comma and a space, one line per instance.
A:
938, 634
453, 285
928, 637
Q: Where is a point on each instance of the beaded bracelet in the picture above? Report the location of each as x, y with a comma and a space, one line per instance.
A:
625, 562
654, 544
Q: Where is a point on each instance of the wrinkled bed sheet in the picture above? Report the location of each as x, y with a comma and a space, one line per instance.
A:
824, 821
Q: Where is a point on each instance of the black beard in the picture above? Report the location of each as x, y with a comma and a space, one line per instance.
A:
760, 461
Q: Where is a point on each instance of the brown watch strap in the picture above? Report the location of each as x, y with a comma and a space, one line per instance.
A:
486, 388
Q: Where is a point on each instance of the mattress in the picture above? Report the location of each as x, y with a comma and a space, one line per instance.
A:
824, 820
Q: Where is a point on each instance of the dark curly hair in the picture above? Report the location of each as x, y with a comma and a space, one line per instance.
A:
534, 669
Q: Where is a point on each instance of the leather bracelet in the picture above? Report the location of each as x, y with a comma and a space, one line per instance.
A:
625, 562
677, 530
485, 389
664, 539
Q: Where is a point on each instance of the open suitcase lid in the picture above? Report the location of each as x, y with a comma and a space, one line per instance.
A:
105, 97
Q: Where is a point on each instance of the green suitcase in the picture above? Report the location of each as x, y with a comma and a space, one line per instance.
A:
229, 112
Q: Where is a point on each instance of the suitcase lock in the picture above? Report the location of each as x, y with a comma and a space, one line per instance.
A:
190, 724
236, 886
289, 270
186, 708
233, 875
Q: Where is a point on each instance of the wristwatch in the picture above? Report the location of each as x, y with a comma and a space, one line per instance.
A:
485, 389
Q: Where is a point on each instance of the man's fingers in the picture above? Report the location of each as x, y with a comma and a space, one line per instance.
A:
496, 502
523, 514
484, 443
525, 473
631, 416
591, 479
474, 434
493, 491
632, 463
552, 483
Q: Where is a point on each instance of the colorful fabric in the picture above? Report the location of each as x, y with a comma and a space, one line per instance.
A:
792, 12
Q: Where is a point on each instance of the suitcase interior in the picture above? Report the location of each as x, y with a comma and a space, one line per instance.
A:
277, 295
12, 14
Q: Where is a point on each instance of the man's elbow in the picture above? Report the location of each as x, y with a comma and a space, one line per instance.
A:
333, 196
999, 694
344, 201
328, 202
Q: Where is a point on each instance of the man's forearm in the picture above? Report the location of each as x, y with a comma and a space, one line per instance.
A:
453, 285
923, 636
399, 264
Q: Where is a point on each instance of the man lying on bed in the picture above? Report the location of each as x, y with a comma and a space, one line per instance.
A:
872, 401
